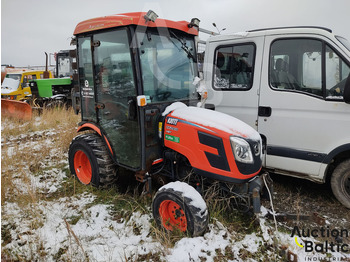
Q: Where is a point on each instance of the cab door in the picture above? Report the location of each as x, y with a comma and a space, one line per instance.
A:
25, 88
115, 91
235, 77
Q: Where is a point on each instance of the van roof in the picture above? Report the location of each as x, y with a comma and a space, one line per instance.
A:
276, 31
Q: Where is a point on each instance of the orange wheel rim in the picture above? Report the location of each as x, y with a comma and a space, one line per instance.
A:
82, 167
172, 216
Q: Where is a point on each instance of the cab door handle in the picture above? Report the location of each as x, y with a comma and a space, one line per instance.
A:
264, 111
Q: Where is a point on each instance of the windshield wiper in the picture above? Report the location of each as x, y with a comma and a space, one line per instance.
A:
184, 47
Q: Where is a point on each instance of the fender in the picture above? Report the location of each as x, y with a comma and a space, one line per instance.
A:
335, 152
90, 126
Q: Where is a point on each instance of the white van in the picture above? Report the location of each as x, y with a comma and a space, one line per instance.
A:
288, 83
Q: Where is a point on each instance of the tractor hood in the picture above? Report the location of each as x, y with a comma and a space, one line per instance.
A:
212, 119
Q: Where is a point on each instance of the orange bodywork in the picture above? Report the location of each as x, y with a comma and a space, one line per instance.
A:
183, 137
16, 109
126, 19
89, 126
3, 75
82, 167
172, 215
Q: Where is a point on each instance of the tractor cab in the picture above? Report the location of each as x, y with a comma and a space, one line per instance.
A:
137, 79
123, 58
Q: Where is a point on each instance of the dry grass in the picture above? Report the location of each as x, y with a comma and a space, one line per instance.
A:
60, 120
19, 157
27, 149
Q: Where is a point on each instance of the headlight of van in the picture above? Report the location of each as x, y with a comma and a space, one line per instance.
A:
241, 150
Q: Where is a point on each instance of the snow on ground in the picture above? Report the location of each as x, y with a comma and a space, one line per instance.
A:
76, 228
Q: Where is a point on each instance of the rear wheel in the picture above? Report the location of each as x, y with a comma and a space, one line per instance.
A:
178, 206
90, 162
340, 182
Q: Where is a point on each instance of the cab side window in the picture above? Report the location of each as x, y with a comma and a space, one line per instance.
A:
298, 65
336, 74
233, 67
25, 81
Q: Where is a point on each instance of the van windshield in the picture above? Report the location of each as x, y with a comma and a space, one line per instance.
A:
344, 42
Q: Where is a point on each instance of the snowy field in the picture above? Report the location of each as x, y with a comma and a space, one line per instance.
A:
47, 216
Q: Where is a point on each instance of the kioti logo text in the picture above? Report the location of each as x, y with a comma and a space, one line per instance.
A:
172, 121
334, 243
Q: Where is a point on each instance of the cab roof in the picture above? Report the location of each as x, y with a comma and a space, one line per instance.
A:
126, 19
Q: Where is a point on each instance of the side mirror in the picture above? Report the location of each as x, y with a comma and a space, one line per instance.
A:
346, 94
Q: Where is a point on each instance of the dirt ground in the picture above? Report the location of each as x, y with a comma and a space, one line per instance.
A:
308, 205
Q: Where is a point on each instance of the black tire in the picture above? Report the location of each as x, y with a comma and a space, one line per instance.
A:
181, 212
340, 183
90, 162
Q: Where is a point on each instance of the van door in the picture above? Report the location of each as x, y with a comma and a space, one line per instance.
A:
301, 90
235, 71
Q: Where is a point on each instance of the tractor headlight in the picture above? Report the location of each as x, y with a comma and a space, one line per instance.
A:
241, 150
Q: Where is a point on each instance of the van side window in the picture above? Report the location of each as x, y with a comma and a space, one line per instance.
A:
297, 65
336, 74
233, 67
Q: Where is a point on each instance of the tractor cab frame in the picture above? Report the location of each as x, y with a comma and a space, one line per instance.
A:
136, 58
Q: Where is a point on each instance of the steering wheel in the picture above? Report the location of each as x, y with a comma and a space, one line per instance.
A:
163, 95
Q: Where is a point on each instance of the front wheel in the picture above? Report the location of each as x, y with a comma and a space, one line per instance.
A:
178, 206
90, 162
340, 183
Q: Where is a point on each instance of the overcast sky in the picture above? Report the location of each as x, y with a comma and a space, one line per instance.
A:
31, 27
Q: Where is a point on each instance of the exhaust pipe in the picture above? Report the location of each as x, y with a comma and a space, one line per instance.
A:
46, 72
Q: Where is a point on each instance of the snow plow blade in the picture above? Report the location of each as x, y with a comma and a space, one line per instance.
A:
16, 109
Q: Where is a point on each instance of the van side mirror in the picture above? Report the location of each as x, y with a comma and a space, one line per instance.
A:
346, 94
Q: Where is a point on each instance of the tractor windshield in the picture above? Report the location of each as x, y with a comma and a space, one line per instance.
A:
168, 66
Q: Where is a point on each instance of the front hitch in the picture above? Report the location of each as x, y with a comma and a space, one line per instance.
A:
257, 188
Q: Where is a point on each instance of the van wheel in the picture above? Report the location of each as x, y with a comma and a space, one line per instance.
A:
340, 183
90, 162
178, 206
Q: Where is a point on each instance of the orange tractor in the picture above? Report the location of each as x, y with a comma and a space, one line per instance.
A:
139, 101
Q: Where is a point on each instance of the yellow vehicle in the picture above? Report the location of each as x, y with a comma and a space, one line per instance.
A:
16, 83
